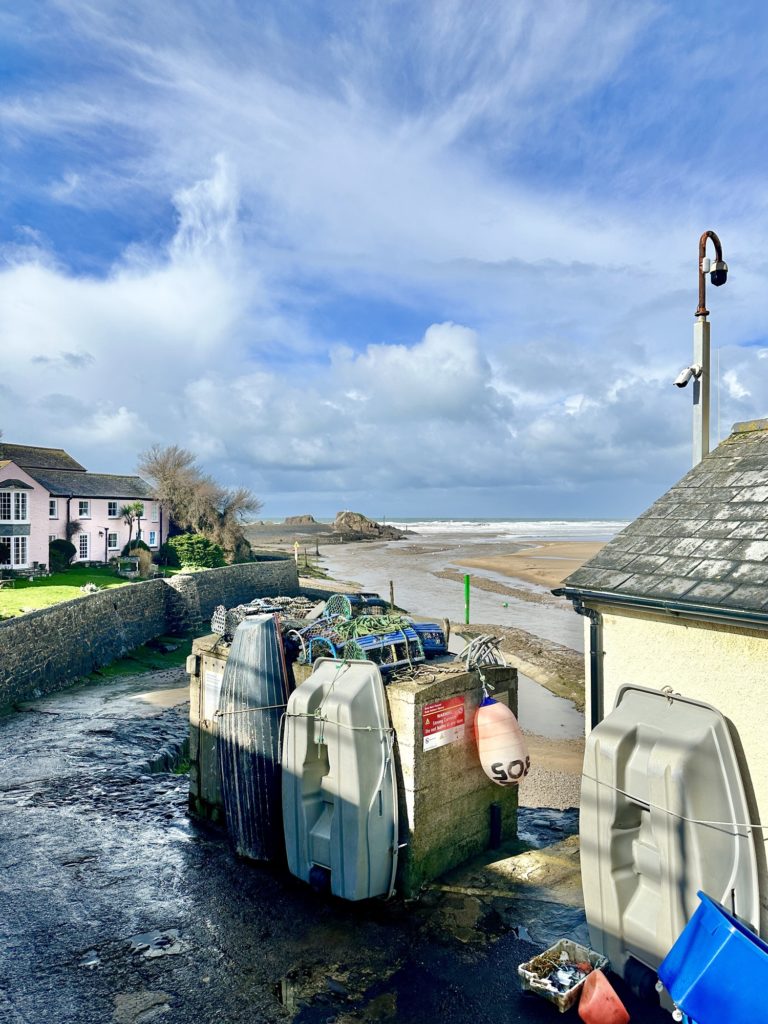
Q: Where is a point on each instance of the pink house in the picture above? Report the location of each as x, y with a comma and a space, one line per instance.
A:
43, 490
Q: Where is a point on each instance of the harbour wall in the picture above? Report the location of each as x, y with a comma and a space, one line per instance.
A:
48, 649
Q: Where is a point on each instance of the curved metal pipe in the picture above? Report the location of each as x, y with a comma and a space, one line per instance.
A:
702, 310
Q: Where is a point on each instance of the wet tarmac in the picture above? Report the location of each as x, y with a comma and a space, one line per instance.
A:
117, 908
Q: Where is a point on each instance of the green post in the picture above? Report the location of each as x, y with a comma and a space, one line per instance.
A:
466, 600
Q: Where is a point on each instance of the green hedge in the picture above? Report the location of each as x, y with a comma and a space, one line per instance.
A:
194, 549
60, 554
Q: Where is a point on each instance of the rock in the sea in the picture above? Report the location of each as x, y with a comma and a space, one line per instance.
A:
300, 521
356, 526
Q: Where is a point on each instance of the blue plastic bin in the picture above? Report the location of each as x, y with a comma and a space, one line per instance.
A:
717, 971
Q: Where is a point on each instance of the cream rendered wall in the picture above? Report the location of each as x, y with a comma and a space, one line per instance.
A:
725, 666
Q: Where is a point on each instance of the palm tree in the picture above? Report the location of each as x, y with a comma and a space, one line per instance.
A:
138, 512
126, 513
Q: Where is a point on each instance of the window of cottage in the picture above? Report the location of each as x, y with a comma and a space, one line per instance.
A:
20, 506
112, 509
82, 545
53, 508
5, 505
84, 509
19, 550
112, 541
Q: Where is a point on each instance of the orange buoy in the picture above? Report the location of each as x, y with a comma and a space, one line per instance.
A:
500, 743
599, 1004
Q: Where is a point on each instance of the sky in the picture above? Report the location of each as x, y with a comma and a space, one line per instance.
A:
406, 257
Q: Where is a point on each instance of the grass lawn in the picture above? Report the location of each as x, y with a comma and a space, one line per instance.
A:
26, 595
150, 657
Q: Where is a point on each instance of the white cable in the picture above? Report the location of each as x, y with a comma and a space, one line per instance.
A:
675, 814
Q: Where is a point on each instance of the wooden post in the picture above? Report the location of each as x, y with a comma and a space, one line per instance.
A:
391, 595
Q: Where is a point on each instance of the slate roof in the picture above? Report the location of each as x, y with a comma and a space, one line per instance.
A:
30, 457
18, 484
705, 542
91, 485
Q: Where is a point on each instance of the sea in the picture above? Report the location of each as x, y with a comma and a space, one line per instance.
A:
436, 544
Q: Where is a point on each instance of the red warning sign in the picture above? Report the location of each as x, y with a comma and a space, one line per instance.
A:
442, 722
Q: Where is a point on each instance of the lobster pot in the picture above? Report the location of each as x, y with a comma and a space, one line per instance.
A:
389, 651
349, 606
225, 621
320, 630
501, 745
432, 638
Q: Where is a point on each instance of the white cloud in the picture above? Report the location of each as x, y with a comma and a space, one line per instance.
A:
734, 386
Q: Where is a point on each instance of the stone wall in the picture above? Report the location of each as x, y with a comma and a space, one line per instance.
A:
48, 649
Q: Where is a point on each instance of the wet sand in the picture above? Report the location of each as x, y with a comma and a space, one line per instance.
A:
546, 564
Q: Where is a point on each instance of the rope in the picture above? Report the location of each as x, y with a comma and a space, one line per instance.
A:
244, 711
675, 814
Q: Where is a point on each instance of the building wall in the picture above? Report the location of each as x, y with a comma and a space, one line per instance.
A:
724, 666
100, 520
47, 650
37, 504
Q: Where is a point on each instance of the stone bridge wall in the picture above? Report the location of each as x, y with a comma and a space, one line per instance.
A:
48, 649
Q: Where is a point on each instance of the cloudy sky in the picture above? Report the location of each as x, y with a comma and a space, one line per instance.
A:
405, 257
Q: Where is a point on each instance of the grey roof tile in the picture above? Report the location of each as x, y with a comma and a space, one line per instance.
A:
753, 550
748, 597
660, 587
748, 531
709, 593
714, 568
751, 572
753, 493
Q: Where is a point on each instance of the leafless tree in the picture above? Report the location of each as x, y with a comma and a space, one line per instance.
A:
195, 501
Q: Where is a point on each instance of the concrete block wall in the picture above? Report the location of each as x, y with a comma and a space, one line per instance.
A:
48, 649
445, 796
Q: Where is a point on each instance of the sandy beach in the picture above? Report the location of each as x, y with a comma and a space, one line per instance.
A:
545, 564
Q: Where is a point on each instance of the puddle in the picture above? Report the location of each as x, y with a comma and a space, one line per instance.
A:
154, 944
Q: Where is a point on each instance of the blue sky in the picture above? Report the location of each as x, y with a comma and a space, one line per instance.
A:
410, 258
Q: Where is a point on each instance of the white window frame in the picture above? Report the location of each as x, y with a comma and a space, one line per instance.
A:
52, 537
9, 542
6, 500
155, 512
80, 538
20, 507
80, 503
110, 545
110, 513
153, 538
53, 508
20, 552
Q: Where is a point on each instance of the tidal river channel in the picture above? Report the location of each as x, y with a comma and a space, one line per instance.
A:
116, 907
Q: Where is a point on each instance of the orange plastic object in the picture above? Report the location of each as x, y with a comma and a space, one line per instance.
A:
501, 745
599, 1004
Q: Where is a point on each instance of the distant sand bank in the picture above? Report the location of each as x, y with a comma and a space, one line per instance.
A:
546, 564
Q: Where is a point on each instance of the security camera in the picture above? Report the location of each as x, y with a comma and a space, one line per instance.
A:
685, 375
719, 273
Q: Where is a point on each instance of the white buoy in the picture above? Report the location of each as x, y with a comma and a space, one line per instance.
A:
501, 745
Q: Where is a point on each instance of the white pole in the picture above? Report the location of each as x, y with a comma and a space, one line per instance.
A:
701, 388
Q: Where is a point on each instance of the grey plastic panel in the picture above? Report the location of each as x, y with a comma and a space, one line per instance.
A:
339, 785
641, 861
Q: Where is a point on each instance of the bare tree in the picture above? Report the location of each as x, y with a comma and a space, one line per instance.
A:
195, 501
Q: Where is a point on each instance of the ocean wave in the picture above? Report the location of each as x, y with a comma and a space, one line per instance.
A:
550, 529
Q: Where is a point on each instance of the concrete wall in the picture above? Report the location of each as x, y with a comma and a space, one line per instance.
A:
48, 649
445, 796
724, 666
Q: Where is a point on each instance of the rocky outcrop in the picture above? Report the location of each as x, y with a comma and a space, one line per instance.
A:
356, 526
300, 521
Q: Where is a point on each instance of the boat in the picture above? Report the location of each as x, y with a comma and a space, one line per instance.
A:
254, 693
339, 785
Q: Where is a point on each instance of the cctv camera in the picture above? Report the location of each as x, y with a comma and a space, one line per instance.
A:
685, 375
719, 273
